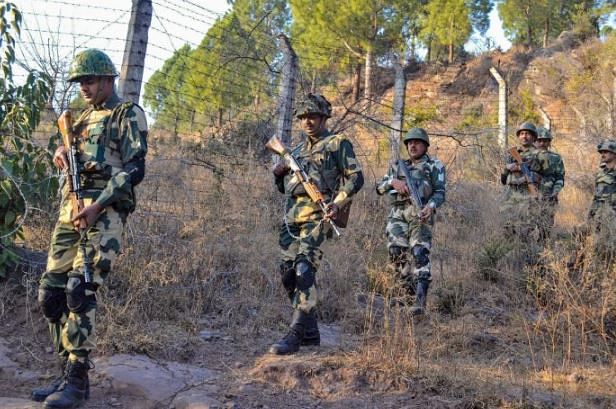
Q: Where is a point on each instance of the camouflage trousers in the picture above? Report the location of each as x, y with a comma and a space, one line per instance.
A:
523, 221
301, 241
68, 303
405, 231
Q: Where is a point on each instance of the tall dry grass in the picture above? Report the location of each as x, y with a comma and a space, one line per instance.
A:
201, 250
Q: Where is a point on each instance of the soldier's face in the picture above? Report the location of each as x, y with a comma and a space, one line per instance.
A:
608, 157
416, 148
542, 144
95, 90
312, 124
526, 138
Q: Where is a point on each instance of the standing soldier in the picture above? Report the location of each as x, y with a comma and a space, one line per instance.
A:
603, 207
522, 181
330, 163
552, 170
111, 157
409, 226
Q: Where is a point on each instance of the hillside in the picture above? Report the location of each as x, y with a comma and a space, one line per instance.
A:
195, 301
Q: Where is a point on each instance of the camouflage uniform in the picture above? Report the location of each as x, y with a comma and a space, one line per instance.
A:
331, 163
603, 207
519, 209
112, 159
552, 171
404, 230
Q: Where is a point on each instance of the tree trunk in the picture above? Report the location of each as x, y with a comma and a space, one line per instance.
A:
398, 113
546, 32
450, 55
529, 29
220, 112
368, 77
356, 82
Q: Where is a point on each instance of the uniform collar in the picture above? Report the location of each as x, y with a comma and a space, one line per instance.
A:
424, 158
322, 135
109, 103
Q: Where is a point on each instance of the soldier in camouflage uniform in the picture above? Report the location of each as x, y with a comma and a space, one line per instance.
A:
603, 207
112, 154
409, 228
330, 162
552, 171
520, 211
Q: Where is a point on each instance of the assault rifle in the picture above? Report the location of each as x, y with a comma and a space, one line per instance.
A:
528, 174
73, 179
413, 192
276, 146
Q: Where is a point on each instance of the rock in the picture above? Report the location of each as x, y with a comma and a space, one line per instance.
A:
15, 403
197, 398
209, 335
139, 375
330, 335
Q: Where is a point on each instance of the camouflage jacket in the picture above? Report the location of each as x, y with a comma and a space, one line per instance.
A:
428, 175
517, 180
330, 163
605, 190
113, 146
552, 171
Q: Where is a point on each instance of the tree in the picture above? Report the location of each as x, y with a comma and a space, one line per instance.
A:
533, 23
162, 92
222, 75
448, 23
24, 166
363, 29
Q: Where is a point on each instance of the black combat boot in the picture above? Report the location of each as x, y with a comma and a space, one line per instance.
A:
290, 343
40, 394
73, 391
419, 308
312, 337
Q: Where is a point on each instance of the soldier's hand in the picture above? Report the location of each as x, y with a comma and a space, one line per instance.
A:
513, 167
60, 159
425, 214
400, 186
89, 214
281, 169
332, 211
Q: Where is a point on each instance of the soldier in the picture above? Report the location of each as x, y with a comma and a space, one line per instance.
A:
112, 160
330, 162
520, 213
409, 227
603, 207
552, 170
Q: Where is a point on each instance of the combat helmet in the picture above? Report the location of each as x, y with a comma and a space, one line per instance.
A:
91, 62
313, 104
544, 133
607, 145
416, 133
527, 126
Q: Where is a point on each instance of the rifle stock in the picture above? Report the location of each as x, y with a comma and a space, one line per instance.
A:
275, 145
65, 124
513, 151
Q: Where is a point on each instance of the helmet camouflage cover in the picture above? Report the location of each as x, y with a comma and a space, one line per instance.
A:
91, 62
314, 104
416, 133
608, 145
543, 133
527, 126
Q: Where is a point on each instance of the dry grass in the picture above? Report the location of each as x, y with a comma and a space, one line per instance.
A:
507, 335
